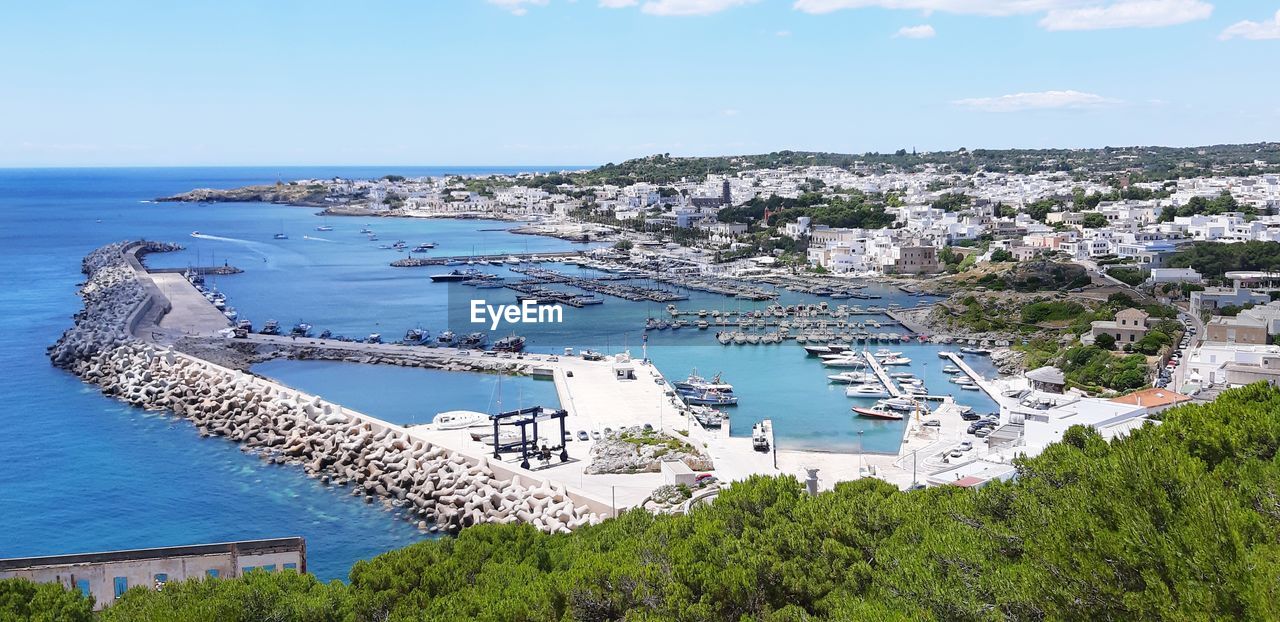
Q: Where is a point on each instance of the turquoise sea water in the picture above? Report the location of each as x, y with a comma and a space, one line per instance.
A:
84, 473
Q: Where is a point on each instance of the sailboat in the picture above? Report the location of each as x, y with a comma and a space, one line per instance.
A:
281, 235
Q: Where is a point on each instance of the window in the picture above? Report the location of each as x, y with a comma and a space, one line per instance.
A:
269, 568
122, 586
246, 570
290, 566
161, 577
212, 573
83, 586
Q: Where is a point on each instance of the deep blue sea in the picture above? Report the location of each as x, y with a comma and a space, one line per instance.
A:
83, 473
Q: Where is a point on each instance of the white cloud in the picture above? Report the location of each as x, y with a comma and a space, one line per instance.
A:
1058, 14
782, 33
1044, 100
518, 7
1253, 30
1131, 14
729, 112
618, 4
923, 31
690, 7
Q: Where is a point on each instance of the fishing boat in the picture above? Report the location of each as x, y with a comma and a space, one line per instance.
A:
374, 338
301, 329
510, 343
415, 336
866, 390
446, 338
697, 383
459, 419
709, 398
326, 333
877, 413
474, 340
271, 327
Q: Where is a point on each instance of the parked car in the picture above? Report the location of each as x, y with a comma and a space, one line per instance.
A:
932, 423
970, 416
582, 435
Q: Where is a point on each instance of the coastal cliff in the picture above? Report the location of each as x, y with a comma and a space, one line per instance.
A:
308, 195
431, 484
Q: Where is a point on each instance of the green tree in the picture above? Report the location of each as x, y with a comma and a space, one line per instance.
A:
1105, 341
1094, 220
24, 601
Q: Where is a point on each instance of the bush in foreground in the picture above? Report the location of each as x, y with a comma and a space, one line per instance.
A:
1176, 521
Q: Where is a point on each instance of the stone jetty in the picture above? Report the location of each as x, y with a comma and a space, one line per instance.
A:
439, 488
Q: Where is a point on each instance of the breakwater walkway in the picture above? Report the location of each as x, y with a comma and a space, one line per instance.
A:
443, 485
613, 393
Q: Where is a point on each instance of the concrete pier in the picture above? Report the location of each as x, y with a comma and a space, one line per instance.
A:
876, 367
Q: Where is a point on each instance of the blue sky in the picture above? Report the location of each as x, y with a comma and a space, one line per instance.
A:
480, 82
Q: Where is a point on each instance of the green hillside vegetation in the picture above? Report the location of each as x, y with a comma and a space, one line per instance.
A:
1038, 275
1138, 164
851, 209
1173, 522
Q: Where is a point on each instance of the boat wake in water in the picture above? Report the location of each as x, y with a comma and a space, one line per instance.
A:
314, 238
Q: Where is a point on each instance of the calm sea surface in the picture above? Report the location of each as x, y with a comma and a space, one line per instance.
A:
83, 473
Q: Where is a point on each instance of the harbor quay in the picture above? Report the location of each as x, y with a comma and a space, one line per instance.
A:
155, 312
443, 478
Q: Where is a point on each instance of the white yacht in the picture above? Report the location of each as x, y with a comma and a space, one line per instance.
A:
459, 419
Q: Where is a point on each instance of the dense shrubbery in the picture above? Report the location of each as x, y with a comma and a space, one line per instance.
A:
1175, 522
24, 601
1090, 367
1212, 259
1051, 311
1129, 275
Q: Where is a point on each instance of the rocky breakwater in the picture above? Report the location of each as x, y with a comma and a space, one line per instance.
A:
430, 484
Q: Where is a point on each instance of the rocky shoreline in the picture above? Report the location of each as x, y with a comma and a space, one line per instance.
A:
430, 484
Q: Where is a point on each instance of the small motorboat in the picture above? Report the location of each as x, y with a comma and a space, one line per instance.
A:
876, 413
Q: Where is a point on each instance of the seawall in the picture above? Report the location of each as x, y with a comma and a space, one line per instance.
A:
441, 487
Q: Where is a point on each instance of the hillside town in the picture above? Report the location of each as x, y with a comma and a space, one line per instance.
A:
1114, 229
